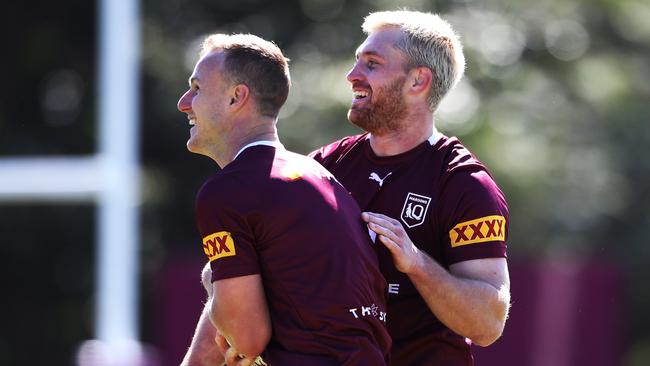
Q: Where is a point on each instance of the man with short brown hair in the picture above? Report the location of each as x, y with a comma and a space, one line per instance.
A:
294, 276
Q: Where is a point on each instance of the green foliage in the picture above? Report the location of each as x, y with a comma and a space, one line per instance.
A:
555, 101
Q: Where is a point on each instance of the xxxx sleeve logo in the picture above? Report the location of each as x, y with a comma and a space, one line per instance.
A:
488, 228
219, 245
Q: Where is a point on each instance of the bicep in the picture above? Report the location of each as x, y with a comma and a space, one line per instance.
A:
493, 271
240, 312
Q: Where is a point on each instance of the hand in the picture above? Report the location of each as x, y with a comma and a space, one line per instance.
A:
391, 233
230, 354
222, 344
234, 359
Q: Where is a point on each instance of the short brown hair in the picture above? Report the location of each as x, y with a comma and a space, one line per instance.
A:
257, 63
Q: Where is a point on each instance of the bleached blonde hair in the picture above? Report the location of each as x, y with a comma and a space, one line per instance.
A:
429, 41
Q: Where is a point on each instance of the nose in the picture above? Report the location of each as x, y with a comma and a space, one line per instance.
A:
354, 74
185, 103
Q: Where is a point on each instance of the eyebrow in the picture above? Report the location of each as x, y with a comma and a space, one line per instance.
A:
368, 53
192, 79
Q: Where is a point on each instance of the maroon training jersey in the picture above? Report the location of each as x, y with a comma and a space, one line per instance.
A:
281, 215
450, 207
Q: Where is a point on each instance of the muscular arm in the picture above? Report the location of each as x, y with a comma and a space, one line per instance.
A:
472, 299
238, 309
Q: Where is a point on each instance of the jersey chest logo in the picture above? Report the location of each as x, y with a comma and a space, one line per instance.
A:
415, 209
374, 176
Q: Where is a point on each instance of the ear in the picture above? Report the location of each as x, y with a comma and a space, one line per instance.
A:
420, 79
239, 95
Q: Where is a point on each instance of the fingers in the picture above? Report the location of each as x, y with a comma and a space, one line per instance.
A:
222, 343
380, 219
392, 235
382, 231
384, 226
232, 357
244, 362
391, 245
386, 237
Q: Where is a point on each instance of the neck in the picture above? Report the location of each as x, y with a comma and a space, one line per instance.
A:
410, 134
261, 130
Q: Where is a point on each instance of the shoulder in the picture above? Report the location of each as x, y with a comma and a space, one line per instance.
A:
456, 157
459, 163
288, 166
463, 174
227, 188
337, 149
214, 189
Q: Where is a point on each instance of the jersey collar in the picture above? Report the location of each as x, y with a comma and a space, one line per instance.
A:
435, 137
276, 144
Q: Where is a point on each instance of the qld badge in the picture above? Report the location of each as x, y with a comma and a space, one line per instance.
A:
415, 209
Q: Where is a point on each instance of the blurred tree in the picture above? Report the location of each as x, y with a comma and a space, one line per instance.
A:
554, 101
48, 74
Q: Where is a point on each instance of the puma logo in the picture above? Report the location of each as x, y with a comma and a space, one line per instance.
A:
374, 176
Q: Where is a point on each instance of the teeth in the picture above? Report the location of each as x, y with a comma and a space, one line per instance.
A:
192, 122
360, 94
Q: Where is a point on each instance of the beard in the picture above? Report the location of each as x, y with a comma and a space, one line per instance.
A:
384, 113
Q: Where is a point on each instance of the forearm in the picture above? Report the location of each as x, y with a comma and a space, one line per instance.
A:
203, 350
240, 312
470, 307
472, 299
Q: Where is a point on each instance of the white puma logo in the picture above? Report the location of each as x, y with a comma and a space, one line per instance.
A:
374, 176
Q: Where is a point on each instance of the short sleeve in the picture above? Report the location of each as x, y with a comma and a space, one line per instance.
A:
473, 216
227, 239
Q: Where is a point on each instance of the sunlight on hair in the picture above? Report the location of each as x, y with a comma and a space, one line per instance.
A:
191, 54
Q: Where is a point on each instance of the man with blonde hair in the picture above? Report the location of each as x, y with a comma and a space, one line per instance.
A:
433, 205
293, 277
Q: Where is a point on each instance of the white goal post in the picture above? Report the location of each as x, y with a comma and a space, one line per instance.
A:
108, 178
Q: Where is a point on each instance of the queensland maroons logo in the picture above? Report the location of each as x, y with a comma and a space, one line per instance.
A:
415, 209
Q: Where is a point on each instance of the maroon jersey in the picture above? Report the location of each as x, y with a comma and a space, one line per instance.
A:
450, 207
281, 215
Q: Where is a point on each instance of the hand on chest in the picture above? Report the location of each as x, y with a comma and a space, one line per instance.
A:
387, 191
